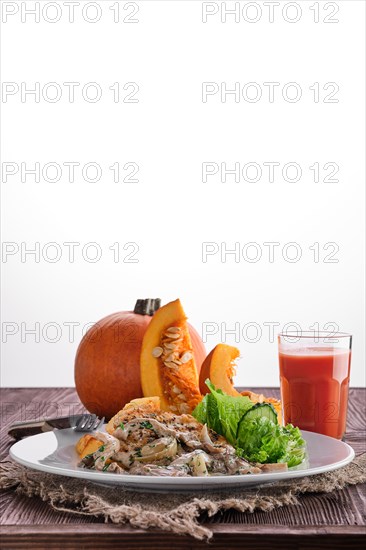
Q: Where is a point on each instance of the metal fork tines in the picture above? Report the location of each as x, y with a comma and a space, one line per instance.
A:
88, 423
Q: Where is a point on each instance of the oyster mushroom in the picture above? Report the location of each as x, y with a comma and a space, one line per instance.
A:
207, 442
109, 446
160, 448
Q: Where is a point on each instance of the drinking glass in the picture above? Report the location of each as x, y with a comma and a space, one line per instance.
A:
314, 378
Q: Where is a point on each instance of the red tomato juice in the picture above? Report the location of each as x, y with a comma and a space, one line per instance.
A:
314, 389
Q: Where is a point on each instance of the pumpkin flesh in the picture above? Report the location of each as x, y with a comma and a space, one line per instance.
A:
168, 367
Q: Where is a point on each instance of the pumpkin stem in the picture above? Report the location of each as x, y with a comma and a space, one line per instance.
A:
147, 307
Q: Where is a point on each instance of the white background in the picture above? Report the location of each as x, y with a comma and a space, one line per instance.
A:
170, 212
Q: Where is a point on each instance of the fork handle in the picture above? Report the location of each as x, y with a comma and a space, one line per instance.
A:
18, 430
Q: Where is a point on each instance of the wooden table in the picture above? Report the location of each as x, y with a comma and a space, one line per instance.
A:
335, 520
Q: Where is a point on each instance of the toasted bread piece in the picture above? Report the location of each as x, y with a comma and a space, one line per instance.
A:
133, 408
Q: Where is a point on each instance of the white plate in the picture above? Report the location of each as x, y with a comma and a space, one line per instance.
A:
54, 452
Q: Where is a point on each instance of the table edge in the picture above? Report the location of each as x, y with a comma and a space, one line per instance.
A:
216, 528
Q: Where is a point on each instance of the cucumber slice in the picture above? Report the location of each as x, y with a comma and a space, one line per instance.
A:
261, 410
249, 436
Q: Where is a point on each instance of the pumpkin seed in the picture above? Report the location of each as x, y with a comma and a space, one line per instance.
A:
175, 389
187, 356
170, 346
156, 352
171, 335
170, 365
173, 329
170, 357
171, 343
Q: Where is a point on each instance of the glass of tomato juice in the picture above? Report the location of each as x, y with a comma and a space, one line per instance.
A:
314, 377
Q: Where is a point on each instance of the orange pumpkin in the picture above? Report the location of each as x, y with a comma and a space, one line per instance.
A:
168, 363
107, 363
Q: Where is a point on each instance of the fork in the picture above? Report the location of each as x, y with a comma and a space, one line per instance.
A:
88, 423
79, 422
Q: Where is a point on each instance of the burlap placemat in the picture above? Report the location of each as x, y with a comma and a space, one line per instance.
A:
176, 512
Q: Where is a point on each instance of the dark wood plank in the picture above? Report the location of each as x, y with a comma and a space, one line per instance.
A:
225, 536
326, 519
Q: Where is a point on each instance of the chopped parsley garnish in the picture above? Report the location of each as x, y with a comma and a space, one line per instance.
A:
101, 449
105, 468
138, 451
146, 424
122, 426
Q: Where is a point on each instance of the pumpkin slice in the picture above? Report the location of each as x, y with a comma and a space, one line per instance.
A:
87, 445
168, 368
220, 367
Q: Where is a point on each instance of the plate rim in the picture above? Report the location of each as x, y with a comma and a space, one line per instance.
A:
174, 482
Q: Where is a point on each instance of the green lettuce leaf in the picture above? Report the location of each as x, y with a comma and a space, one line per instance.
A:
256, 439
295, 451
222, 412
260, 440
200, 412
